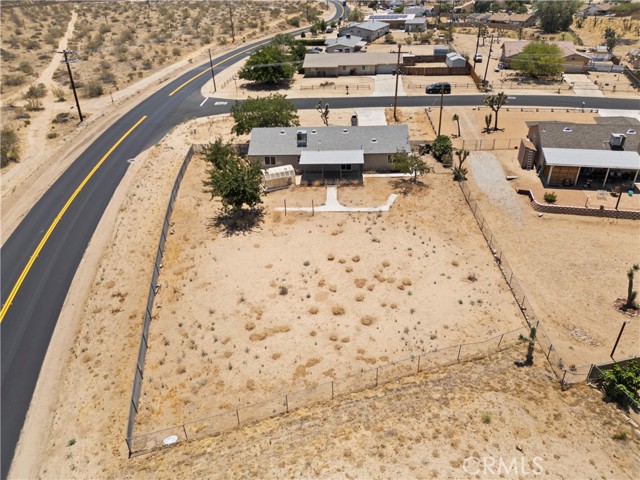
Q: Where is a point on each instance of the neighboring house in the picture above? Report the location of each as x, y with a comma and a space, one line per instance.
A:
368, 31
418, 11
394, 20
601, 154
454, 60
329, 152
341, 64
415, 25
572, 60
479, 17
598, 9
346, 44
520, 20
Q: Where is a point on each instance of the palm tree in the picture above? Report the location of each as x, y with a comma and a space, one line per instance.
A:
456, 119
495, 103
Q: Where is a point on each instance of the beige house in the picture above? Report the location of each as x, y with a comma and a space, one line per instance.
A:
368, 31
346, 44
341, 64
572, 60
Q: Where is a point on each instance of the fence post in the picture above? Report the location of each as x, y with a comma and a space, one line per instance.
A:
285, 207
238, 416
419, 363
511, 278
128, 446
501, 336
562, 384
184, 429
523, 299
286, 402
313, 211
459, 350
550, 348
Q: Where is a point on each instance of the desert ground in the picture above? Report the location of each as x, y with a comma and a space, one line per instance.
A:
76, 425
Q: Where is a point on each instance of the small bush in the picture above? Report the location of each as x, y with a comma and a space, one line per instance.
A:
62, 117
94, 89
388, 38
283, 290
13, 80
620, 436
486, 418
52, 135
36, 91
9, 146
550, 197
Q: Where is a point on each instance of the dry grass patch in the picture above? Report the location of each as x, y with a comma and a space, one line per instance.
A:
337, 310
360, 282
360, 297
257, 337
367, 320
313, 310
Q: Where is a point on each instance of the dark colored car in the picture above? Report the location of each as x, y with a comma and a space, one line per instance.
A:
440, 87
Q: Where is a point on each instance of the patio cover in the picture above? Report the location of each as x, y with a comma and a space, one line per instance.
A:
332, 157
570, 157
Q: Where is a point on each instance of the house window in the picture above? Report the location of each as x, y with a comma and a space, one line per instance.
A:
390, 160
364, 68
345, 167
269, 160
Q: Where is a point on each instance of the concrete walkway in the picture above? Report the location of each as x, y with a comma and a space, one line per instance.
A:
333, 205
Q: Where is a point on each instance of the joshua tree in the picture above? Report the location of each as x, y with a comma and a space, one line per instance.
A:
456, 119
631, 293
487, 122
324, 112
495, 103
460, 172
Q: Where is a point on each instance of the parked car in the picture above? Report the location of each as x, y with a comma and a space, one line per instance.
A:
329, 30
315, 50
478, 58
440, 87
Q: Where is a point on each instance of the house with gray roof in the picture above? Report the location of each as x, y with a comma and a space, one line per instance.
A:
329, 152
341, 64
368, 31
346, 44
602, 154
415, 25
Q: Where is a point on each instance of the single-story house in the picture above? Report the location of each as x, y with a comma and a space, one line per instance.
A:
479, 17
417, 10
598, 9
329, 152
517, 19
454, 59
572, 60
346, 44
341, 64
415, 25
394, 20
568, 154
368, 31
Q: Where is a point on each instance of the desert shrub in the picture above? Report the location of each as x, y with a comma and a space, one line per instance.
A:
176, 52
6, 56
388, 38
33, 105
283, 290
13, 80
550, 197
294, 21
36, 91
26, 68
94, 89
62, 117
52, 135
31, 44
9, 146
59, 93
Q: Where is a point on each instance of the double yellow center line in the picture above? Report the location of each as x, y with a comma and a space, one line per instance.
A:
55, 222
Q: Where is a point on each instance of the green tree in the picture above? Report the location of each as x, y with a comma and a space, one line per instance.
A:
460, 171
235, 180
495, 103
515, 6
539, 59
409, 163
271, 111
441, 146
610, 38
482, 6
356, 15
9, 146
270, 64
622, 382
631, 293
556, 15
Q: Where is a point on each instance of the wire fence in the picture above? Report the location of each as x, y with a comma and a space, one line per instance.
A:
153, 289
366, 379
566, 375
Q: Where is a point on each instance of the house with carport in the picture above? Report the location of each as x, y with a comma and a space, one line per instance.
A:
329, 153
341, 64
603, 155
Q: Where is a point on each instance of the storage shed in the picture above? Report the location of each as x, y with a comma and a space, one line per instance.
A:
455, 60
276, 178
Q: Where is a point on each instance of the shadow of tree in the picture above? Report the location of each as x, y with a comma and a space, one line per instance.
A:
405, 186
239, 222
266, 87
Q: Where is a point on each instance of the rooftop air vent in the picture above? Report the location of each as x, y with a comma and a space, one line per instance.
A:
616, 141
567, 129
314, 132
631, 132
282, 132
301, 137
374, 140
344, 130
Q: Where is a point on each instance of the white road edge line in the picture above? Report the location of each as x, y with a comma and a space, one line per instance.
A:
203, 102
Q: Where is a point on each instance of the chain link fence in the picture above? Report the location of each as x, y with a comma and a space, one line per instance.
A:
366, 379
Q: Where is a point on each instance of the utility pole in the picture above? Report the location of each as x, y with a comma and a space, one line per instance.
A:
486, 70
477, 46
73, 85
441, 102
395, 97
213, 75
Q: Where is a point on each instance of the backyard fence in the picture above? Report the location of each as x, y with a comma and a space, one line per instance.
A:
153, 289
486, 143
332, 86
566, 376
371, 378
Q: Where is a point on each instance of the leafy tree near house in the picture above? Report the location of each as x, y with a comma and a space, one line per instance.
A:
441, 146
271, 111
539, 59
556, 15
270, 64
237, 181
610, 38
495, 103
356, 15
619, 383
409, 163
631, 293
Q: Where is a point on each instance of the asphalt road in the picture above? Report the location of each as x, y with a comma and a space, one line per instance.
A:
59, 226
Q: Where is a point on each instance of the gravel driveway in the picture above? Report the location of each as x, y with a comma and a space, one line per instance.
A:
490, 178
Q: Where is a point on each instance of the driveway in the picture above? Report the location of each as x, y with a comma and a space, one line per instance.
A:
385, 86
371, 116
582, 85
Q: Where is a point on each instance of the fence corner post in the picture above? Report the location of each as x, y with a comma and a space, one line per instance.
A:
459, 350
184, 429
500, 342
